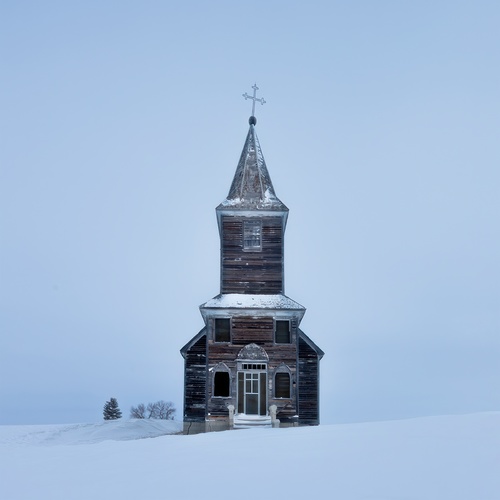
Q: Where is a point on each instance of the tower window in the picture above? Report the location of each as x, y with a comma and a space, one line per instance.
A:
282, 385
282, 331
252, 235
222, 330
221, 384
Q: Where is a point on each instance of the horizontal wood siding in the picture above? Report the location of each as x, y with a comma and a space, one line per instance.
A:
252, 271
259, 330
217, 407
308, 385
195, 385
248, 330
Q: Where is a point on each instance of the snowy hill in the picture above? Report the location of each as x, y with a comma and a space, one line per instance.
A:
433, 458
111, 430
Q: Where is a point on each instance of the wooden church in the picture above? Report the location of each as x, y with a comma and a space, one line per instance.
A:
251, 364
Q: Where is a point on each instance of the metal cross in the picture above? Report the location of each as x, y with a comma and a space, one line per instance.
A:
261, 100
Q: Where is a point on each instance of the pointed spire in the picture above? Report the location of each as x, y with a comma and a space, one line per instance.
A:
252, 188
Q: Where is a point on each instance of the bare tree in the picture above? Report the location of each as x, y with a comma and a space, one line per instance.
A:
164, 410
138, 411
151, 409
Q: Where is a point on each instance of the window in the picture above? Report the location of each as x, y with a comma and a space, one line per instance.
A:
222, 330
221, 384
253, 366
282, 331
282, 385
252, 235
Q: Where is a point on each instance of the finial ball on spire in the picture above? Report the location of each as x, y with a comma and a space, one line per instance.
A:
252, 120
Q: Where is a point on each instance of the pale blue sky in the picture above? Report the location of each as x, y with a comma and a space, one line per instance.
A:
121, 125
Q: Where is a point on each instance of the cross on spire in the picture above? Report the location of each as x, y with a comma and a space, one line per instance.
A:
261, 100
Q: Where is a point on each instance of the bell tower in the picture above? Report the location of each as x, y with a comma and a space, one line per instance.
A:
252, 223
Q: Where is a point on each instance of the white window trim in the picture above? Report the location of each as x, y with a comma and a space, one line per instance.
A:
221, 370
289, 331
287, 372
252, 223
215, 330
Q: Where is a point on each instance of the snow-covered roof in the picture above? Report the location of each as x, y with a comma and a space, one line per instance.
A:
252, 187
247, 301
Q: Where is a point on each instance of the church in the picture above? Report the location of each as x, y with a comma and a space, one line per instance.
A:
251, 364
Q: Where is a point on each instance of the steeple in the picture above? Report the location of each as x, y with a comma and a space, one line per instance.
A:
252, 222
252, 188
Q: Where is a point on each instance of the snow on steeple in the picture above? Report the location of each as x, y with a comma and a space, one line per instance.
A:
252, 188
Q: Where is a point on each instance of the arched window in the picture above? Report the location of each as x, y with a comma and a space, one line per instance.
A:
282, 385
221, 384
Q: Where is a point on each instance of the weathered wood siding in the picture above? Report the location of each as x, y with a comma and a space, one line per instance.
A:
247, 330
308, 385
195, 381
252, 271
259, 330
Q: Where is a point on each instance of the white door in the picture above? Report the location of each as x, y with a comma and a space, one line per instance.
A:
252, 394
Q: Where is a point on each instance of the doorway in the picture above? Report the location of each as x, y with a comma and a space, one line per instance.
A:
252, 392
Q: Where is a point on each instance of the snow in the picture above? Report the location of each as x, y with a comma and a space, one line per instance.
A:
267, 200
245, 301
433, 458
269, 196
115, 430
231, 202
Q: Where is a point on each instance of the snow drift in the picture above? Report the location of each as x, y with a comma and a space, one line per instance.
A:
433, 458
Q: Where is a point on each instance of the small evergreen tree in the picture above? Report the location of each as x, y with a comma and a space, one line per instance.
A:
111, 411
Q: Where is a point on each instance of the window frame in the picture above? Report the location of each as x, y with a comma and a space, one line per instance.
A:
279, 320
280, 373
217, 372
225, 318
249, 235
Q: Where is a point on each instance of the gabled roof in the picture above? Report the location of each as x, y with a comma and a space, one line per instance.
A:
193, 341
252, 188
311, 344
